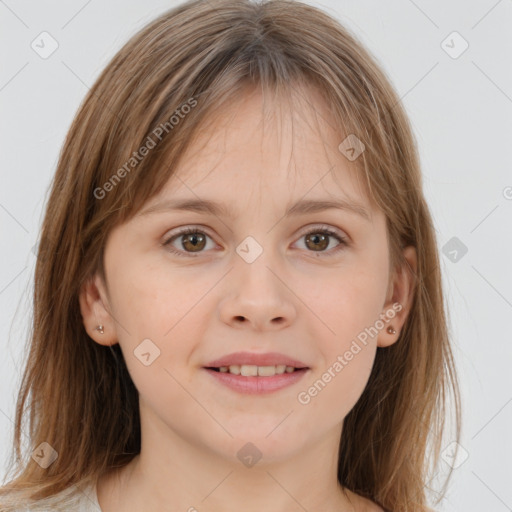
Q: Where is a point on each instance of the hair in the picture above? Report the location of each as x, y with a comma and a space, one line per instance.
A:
78, 395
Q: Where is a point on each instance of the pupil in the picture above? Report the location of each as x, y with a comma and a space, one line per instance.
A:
318, 239
193, 239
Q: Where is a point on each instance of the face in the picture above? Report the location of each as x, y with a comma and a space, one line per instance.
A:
250, 277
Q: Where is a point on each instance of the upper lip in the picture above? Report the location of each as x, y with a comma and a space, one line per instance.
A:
251, 358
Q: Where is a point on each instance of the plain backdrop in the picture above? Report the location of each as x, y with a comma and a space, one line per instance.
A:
460, 104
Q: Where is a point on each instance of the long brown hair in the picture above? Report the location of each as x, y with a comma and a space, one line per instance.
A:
78, 395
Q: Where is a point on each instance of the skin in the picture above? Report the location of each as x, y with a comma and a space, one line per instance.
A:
295, 298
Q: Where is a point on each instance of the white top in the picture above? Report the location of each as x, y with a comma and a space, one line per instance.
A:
81, 501
89, 501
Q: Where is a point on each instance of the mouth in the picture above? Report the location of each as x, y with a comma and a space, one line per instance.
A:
255, 380
246, 370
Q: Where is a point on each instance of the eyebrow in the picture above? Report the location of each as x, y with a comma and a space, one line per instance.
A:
301, 207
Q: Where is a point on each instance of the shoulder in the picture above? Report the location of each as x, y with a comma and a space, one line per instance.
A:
72, 498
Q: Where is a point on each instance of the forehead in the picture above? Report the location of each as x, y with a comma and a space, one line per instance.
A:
268, 148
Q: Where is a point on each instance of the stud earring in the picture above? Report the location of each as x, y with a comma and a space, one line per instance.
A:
99, 327
391, 330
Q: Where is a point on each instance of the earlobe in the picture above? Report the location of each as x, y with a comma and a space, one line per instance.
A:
97, 320
397, 308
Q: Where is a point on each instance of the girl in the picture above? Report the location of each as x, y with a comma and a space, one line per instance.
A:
238, 300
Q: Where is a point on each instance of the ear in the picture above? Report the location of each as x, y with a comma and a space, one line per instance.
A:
95, 311
400, 298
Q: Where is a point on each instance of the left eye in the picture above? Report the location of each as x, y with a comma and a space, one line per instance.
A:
321, 237
194, 241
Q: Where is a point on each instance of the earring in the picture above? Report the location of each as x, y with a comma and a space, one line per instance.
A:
391, 330
98, 328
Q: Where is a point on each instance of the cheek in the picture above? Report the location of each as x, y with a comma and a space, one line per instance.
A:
147, 305
347, 353
349, 305
151, 299
346, 303
332, 394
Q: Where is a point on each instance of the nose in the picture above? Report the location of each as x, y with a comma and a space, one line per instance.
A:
259, 297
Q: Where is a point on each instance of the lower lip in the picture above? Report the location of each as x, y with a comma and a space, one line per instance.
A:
257, 385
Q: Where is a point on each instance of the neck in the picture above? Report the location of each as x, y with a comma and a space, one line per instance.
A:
173, 473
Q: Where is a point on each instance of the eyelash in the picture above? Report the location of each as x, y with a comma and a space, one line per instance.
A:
319, 230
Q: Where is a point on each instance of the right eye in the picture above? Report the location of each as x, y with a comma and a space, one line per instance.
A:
192, 240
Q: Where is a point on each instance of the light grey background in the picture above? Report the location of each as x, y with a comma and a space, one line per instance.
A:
461, 111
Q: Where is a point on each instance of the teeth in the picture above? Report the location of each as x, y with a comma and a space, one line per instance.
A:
266, 371
247, 370
235, 369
